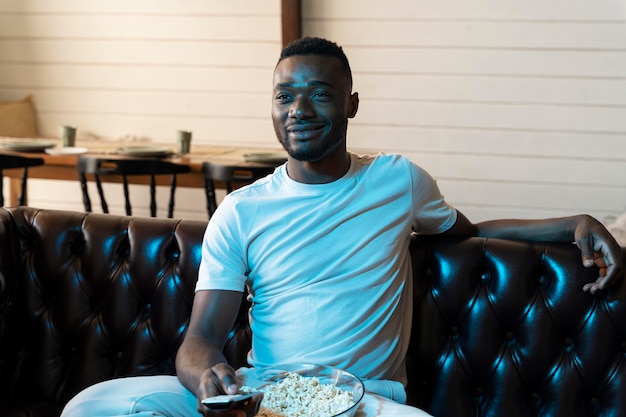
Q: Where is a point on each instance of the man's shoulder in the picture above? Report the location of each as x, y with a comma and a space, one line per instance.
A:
262, 186
382, 159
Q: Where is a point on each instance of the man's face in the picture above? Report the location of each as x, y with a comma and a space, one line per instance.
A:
311, 105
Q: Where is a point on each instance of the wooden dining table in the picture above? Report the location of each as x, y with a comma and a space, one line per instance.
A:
63, 166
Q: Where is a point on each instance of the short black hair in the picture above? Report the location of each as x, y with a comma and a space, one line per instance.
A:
309, 45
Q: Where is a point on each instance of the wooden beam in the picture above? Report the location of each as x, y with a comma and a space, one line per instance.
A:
291, 20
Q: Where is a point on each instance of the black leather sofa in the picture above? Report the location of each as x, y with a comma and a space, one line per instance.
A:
500, 328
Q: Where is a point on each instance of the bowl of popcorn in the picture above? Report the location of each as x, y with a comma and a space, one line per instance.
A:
303, 390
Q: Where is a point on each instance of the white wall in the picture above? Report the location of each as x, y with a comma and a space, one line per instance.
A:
142, 68
517, 108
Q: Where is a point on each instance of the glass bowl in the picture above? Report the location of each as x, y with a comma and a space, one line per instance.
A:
262, 378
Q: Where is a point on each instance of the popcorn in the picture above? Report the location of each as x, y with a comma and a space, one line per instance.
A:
298, 396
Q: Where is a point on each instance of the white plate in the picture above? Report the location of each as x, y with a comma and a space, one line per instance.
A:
158, 151
27, 145
275, 158
67, 150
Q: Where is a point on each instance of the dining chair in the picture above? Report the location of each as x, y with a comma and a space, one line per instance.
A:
230, 174
15, 161
100, 167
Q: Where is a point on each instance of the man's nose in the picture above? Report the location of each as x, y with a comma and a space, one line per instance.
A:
301, 108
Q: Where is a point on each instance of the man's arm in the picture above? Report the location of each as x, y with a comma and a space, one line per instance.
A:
200, 364
598, 247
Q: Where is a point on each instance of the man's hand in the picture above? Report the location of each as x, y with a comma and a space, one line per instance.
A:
598, 247
221, 379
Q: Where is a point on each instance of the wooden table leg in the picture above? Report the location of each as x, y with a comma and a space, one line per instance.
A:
15, 187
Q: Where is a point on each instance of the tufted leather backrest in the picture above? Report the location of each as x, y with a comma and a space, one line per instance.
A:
91, 297
503, 328
500, 328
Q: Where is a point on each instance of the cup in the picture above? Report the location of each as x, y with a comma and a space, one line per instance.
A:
68, 135
183, 140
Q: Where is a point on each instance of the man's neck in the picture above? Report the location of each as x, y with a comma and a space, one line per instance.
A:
324, 171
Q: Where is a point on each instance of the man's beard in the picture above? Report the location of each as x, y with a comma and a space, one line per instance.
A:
314, 153
306, 155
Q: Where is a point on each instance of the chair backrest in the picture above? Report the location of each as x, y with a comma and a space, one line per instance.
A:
230, 174
17, 161
100, 167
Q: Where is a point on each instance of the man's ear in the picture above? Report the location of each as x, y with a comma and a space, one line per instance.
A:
353, 105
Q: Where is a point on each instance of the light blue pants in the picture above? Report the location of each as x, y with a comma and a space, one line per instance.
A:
165, 396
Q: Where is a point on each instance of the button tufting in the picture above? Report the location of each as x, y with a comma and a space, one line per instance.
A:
49, 302
146, 311
95, 305
166, 365
534, 397
485, 277
568, 342
543, 281
593, 402
510, 336
479, 391
454, 330
123, 247
119, 356
77, 244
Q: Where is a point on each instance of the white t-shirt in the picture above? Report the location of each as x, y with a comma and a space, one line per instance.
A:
327, 265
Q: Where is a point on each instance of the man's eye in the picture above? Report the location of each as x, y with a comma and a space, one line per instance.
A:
282, 97
321, 95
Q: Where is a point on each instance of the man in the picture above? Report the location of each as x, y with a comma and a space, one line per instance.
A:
321, 246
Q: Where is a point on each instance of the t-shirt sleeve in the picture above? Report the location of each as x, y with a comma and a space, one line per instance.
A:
223, 265
431, 213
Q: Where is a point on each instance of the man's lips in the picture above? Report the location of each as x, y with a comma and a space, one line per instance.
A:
304, 131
